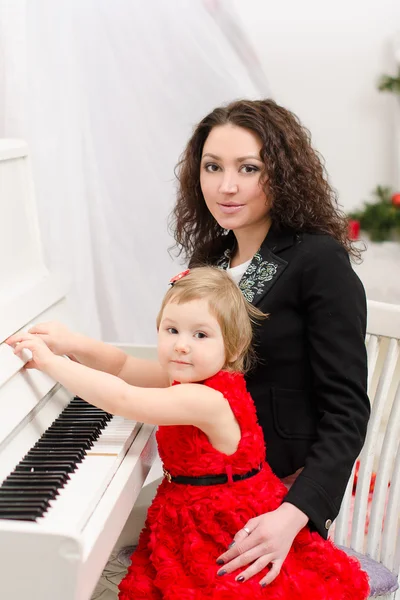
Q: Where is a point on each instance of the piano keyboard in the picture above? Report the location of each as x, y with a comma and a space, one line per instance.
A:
69, 474
74, 457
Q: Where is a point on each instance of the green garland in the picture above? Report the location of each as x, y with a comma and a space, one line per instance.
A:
390, 84
381, 218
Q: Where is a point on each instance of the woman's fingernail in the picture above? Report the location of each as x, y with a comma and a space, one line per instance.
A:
232, 544
220, 561
241, 578
263, 585
223, 572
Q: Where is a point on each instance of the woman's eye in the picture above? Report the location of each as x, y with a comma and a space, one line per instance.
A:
200, 335
249, 169
172, 330
211, 167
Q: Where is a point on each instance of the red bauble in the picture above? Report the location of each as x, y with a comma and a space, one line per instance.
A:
396, 199
354, 229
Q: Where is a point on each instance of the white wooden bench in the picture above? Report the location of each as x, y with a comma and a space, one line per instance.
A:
370, 527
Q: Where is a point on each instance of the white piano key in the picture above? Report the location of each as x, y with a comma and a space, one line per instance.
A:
79, 497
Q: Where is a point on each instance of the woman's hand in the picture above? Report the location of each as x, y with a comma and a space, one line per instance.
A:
269, 541
41, 354
55, 335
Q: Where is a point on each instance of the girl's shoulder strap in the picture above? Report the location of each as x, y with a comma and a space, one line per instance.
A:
227, 381
233, 387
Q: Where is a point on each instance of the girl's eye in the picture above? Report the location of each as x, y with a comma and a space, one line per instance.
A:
249, 169
172, 330
211, 167
200, 335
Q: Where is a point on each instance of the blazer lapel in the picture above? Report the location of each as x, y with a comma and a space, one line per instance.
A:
265, 267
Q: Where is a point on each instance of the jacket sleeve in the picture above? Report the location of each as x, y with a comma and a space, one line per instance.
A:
334, 306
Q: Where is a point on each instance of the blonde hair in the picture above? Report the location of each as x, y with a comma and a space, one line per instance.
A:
227, 304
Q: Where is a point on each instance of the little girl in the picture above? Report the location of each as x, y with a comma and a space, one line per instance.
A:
216, 480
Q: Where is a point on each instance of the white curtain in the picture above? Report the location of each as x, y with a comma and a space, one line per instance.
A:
106, 94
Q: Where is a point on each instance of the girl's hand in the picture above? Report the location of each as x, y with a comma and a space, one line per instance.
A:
269, 541
56, 336
41, 354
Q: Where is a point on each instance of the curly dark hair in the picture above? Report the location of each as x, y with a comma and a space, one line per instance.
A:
298, 188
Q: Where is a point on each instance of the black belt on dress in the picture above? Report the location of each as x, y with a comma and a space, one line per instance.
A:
209, 479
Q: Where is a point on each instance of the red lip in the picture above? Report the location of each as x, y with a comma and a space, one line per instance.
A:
181, 362
230, 209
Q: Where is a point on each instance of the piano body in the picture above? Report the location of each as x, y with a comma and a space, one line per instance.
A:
58, 524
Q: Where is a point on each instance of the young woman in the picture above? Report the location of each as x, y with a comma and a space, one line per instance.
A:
254, 199
216, 478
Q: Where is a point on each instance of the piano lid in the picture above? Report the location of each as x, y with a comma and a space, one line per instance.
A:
21, 257
28, 292
26, 286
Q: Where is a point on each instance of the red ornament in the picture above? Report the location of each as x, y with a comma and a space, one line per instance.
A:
371, 483
179, 276
396, 199
354, 229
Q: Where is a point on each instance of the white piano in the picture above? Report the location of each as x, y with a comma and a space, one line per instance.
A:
58, 525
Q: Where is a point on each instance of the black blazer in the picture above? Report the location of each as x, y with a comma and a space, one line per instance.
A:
310, 384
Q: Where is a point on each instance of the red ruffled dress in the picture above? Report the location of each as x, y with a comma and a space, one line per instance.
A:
188, 527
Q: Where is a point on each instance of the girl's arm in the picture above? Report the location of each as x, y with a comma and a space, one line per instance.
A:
105, 357
97, 355
187, 404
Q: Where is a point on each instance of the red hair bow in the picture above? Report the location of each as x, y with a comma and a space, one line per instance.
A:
179, 276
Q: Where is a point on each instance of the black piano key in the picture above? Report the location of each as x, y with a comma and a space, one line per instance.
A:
83, 409
42, 479
19, 517
76, 453
29, 493
45, 467
69, 434
20, 512
60, 451
72, 452
26, 486
31, 490
37, 479
91, 425
60, 443
34, 461
78, 433
77, 427
87, 419
85, 444
72, 437
18, 502
55, 441
44, 457
51, 449
19, 509
72, 414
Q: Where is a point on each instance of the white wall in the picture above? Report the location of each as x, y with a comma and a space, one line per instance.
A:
322, 61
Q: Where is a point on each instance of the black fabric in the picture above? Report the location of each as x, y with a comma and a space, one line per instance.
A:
211, 479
